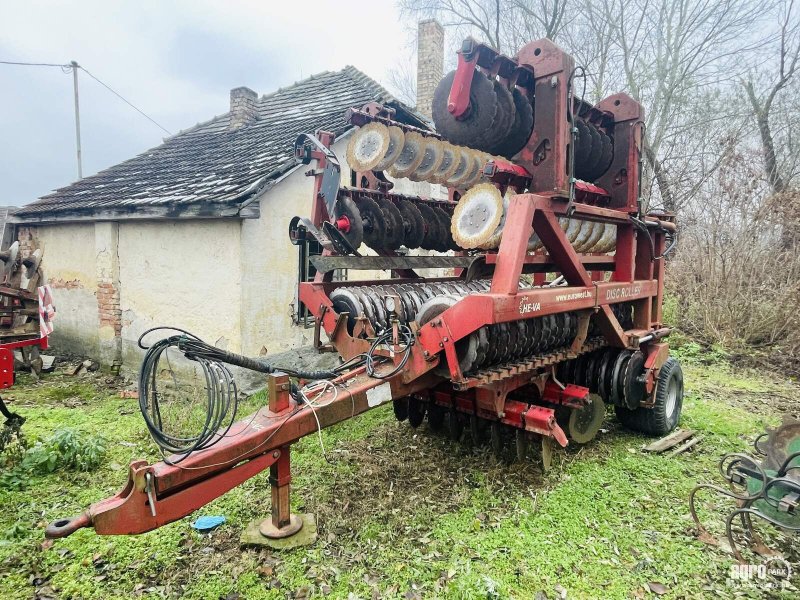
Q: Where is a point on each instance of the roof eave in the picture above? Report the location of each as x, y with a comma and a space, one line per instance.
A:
199, 210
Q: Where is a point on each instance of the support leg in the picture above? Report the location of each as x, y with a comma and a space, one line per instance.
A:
282, 529
282, 523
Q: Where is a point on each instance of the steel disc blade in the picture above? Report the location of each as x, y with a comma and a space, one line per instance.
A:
606, 155
413, 224
463, 169
368, 146
477, 215
583, 147
444, 237
416, 412
374, 222
345, 301
410, 157
395, 232
354, 231
595, 153
466, 348
431, 227
473, 125
521, 129
503, 120
521, 443
448, 165
478, 162
397, 140
617, 371
436, 416
455, 426
477, 429
633, 390
584, 423
496, 439
432, 156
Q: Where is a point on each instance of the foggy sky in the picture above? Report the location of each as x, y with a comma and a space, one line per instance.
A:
177, 61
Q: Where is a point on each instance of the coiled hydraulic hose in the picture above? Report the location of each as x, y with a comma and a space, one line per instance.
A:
222, 397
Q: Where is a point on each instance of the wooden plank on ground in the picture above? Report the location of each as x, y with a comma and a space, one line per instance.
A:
686, 445
667, 442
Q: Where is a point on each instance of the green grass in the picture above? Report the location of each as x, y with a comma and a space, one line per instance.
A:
401, 513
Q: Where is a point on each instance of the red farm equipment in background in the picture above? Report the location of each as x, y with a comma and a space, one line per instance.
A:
545, 305
26, 313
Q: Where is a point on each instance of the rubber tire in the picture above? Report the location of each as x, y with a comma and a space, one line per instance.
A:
655, 421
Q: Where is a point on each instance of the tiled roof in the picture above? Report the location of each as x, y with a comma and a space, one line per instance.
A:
208, 165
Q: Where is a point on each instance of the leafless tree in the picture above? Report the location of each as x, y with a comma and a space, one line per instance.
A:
762, 100
402, 80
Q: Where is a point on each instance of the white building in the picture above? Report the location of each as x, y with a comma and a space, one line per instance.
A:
194, 233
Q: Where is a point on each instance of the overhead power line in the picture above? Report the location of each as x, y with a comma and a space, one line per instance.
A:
67, 67
33, 64
121, 97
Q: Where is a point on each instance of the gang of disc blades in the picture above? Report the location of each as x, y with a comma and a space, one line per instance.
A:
520, 131
474, 124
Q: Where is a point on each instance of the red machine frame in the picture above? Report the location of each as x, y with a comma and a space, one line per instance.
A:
162, 493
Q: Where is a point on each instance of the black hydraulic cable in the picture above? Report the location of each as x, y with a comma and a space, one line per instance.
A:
222, 397
385, 338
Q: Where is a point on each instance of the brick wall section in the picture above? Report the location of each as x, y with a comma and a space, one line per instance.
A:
106, 240
244, 107
108, 306
430, 63
26, 238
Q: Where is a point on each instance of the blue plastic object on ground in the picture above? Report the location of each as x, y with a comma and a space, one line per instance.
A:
208, 523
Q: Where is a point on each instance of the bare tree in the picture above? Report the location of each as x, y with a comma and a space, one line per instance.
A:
673, 50
481, 17
402, 80
762, 101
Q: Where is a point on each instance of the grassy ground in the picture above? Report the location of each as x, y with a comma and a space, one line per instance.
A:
402, 513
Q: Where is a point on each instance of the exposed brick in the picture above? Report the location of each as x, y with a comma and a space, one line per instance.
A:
430, 62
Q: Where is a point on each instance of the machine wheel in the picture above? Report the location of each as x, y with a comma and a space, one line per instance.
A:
666, 413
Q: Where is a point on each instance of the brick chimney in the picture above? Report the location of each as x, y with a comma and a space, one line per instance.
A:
430, 62
244, 107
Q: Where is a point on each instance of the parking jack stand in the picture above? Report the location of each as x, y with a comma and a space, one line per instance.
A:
283, 530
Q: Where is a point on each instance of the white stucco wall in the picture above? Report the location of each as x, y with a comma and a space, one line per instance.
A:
70, 267
180, 273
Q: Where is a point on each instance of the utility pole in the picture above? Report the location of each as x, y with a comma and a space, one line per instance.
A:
75, 66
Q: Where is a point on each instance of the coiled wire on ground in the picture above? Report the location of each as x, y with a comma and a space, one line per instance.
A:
222, 396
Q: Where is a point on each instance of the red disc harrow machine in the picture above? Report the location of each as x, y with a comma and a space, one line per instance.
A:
546, 306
